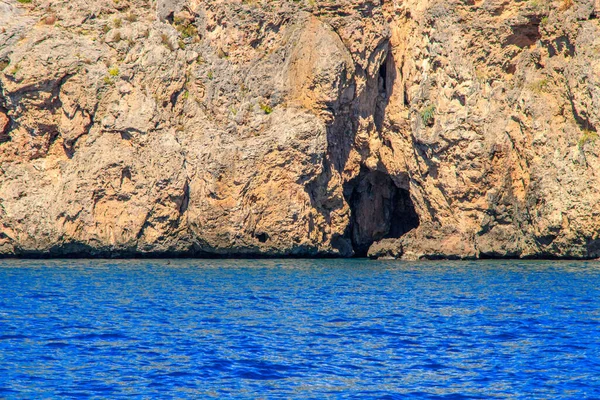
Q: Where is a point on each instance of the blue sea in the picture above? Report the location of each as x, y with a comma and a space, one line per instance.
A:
299, 329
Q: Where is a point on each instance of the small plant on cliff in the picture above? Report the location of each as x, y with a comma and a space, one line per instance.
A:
15, 70
428, 115
222, 54
267, 109
539, 86
588, 136
113, 71
131, 17
185, 28
166, 41
24, 1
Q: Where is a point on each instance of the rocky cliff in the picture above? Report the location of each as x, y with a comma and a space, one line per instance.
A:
394, 128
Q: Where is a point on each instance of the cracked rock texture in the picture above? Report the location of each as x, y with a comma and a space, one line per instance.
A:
389, 128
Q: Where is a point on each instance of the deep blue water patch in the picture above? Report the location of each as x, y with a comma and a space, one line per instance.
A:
299, 329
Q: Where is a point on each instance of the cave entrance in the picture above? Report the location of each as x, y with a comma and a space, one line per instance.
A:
380, 210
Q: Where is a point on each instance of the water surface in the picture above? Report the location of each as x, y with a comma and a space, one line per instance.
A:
299, 329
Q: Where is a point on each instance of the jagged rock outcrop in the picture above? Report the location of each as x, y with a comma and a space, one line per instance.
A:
404, 129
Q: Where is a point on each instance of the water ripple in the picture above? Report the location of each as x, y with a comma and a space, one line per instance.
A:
350, 329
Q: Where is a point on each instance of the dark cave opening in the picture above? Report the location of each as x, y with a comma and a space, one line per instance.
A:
262, 237
383, 78
380, 210
385, 82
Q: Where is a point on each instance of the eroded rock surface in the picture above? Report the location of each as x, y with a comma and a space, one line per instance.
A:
404, 129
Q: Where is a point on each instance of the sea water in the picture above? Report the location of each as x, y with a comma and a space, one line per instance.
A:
299, 329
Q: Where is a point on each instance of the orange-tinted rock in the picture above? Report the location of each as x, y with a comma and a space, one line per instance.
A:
414, 129
4, 123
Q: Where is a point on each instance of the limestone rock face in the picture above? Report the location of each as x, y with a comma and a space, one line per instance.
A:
166, 9
404, 129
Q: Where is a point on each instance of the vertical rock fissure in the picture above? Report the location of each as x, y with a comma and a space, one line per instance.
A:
385, 81
5, 120
379, 210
